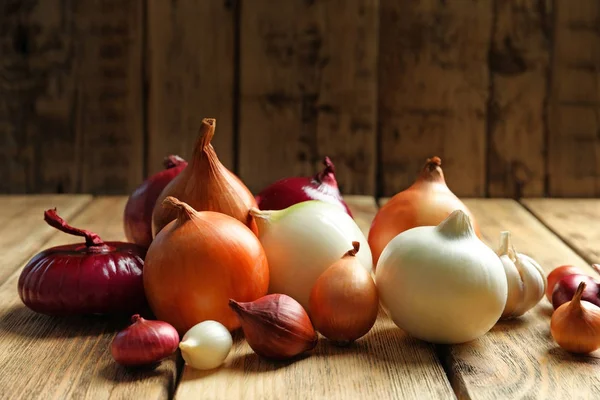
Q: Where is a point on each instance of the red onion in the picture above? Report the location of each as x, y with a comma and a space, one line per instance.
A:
565, 289
92, 278
139, 207
289, 191
144, 342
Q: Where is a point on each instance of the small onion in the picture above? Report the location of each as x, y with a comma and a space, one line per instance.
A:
144, 342
344, 301
565, 289
206, 345
556, 275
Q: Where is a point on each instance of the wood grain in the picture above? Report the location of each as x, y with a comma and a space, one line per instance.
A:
433, 89
385, 364
70, 96
190, 67
574, 113
22, 226
49, 357
518, 358
519, 74
308, 90
573, 220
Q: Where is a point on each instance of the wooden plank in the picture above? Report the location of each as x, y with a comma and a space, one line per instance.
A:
191, 76
518, 358
22, 226
574, 113
308, 90
573, 220
70, 96
433, 87
385, 364
48, 357
519, 68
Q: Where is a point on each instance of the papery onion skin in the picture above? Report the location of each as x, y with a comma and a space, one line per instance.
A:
556, 275
289, 191
302, 241
206, 185
197, 263
137, 219
565, 289
427, 202
144, 342
344, 301
93, 278
575, 325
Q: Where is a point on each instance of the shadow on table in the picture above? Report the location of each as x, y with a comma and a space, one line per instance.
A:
165, 370
21, 321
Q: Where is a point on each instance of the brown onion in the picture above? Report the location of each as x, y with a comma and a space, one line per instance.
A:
344, 301
206, 185
200, 261
426, 203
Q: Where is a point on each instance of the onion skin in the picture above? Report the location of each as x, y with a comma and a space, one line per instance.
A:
565, 289
206, 185
575, 325
93, 278
144, 342
344, 301
426, 203
197, 263
556, 275
276, 326
137, 219
287, 192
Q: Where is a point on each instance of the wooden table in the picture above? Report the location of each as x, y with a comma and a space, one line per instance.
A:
43, 357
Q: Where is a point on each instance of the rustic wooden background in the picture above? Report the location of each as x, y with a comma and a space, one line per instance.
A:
93, 93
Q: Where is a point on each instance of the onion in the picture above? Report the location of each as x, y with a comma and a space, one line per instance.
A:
93, 278
344, 301
206, 345
197, 263
426, 203
206, 185
556, 275
138, 210
565, 289
144, 342
302, 241
289, 191
442, 284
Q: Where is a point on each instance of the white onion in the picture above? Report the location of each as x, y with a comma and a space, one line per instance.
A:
302, 241
442, 284
206, 345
